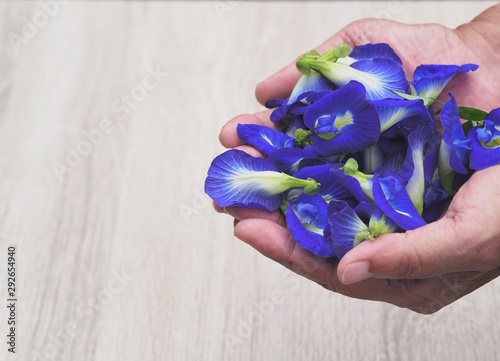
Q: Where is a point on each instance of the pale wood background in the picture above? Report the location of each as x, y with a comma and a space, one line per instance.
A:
120, 210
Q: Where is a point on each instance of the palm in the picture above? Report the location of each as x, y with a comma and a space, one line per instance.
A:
469, 212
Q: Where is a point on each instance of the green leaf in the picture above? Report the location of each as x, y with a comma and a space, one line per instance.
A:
475, 115
467, 113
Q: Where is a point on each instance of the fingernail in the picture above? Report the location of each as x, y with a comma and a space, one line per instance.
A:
356, 272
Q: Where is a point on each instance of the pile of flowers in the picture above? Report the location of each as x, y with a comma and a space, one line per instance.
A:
355, 151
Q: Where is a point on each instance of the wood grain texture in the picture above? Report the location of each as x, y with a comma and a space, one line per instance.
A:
123, 248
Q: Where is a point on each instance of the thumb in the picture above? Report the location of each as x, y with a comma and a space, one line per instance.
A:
434, 249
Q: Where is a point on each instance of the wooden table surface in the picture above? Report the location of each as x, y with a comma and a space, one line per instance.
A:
109, 117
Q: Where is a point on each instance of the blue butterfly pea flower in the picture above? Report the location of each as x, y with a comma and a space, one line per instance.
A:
237, 179
348, 227
265, 139
342, 121
455, 146
289, 112
397, 113
390, 194
485, 142
330, 188
358, 183
381, 76
374, 51
413, 168
429, 80
306, 220
313, 82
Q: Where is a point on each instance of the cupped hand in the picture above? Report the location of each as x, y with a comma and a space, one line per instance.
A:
430, 267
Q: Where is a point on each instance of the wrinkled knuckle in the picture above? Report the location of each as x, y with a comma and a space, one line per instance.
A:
410, 263
363, 30
289, 258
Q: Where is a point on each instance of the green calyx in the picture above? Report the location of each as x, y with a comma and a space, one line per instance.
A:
302, 137
362, 236
314, 61
379, 227
376, 227
309, 185
427, 100
340, 51
312, 188
351, 168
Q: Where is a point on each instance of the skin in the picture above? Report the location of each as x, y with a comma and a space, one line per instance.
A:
430, 267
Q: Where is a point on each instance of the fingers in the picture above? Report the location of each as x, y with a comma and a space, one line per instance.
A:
276, 243
228, 136
425, 252
424, 296
252, 213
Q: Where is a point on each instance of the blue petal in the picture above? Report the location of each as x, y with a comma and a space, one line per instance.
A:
263, 138
488, 134
494, 116
380, 77
390, 195
413, 168
482, 157
274, 103
359, 126
235, 178
295, 123
288, 160
394, 161
280, 114
374, 51
330, 187
360, 192
436, 201
288, 112
432, 155
312, 82
306, 220
393, 111
429, 80
343, 227
373, 157
368, 211
455, 147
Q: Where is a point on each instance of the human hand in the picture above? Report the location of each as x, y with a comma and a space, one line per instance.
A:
432, 266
